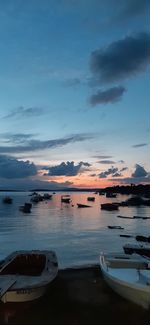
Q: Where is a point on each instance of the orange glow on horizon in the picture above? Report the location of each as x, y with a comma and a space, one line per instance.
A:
83, 181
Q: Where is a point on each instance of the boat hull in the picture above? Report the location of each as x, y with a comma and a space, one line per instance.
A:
23, 295
135, 293
140, 298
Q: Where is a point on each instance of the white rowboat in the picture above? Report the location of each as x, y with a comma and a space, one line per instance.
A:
128, 276
25, 275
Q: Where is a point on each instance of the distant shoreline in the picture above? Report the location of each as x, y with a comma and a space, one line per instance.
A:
128, 189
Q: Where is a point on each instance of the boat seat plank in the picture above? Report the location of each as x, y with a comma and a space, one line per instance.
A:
5, 284
127, 275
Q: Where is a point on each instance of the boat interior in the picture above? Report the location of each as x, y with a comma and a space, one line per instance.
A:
127, 262
127, 269
25, 264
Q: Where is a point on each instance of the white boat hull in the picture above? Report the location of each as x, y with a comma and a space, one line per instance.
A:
136, 292
140, 298
23, 295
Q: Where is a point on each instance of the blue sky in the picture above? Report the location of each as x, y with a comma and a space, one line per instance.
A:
74, 79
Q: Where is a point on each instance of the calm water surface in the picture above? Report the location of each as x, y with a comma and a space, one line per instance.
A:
77, 235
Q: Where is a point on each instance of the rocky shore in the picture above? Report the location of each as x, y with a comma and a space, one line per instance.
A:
77, 296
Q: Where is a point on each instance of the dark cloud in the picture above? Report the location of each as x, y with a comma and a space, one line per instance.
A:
102, 157
123, 169
66, 169
139, 172
121, 59
21, 111
93, 175
35, 145
106, 162
132, 180
111, 95
108, 172
12, 168
16, 138
139, 145
140, 175
132, 8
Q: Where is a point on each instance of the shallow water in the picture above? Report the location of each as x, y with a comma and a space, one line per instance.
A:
77, 235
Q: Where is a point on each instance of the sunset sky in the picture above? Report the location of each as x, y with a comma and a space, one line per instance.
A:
74, 93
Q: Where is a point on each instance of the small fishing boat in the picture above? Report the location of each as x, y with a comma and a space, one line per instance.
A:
140, 217
143, 238
111, 195
91, 198
47, 196
128, 276
124, 217
26, 208
138, 249
7, 200
25, 275
109, 206
126, 236
79, 205
36, 198
115, 227
65, 198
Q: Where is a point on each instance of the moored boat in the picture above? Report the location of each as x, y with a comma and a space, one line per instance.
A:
109, 206
128, 276
25, 275
111, 195
124, 217
65, 198
26, 208
7, 200
138, 249
91, 198
115, 227
47, 196
79, 205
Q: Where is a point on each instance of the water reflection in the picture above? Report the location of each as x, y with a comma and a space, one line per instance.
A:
77, 235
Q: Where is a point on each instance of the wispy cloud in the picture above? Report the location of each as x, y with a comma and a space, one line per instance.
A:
106, 162
30, 184
35, 145
17, 137
102, 157
139, 145
72, 82
21, 111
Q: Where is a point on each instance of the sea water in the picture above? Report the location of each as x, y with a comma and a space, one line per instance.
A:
77, 235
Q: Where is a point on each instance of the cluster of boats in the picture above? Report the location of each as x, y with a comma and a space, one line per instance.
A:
26, 275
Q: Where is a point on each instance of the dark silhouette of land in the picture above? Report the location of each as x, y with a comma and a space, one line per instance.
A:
122, 189
141, 189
